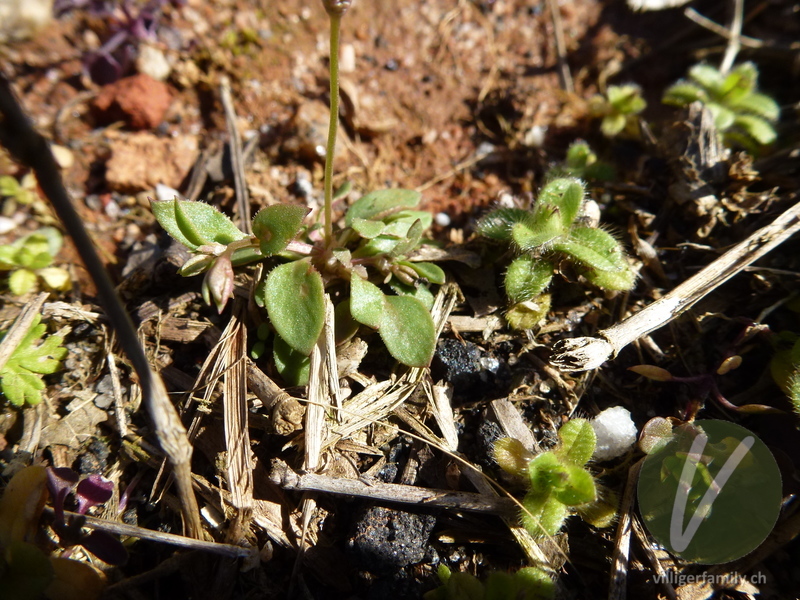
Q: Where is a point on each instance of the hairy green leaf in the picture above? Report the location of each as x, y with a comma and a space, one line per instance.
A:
527, 276
578, 441
540, 228
420, 292
195, 224
590, 247
543, 515
408, 331
756, 127
684, 93
497, 224
366, 302
758, 104
277, 225
576, 488
411, 240
295, 301
380, 204
708, 77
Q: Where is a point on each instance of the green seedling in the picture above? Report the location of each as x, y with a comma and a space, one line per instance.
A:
582, 163
545, 235
743, 115
619, 110
21, 192
529, 583
558, 482
30, 260
364, 266
21, 376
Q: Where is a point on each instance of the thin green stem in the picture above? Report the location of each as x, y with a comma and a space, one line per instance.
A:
332, 127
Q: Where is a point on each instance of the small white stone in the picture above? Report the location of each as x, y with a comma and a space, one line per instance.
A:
442, 219
151, 61
534, 137
164, 192
615, 431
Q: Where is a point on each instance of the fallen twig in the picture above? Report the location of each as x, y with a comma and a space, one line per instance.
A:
586, 353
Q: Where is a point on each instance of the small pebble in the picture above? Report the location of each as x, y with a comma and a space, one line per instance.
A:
442, 219
616, 433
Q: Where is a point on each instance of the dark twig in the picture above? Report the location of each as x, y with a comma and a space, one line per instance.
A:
31, 149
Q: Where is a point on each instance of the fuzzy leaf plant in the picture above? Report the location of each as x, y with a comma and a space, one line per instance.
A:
529, 583
744, 116
21, 376
558, 482
365, 266
543, 237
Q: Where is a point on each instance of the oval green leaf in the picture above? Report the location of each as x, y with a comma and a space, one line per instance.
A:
428, 271
368, 229
295, 301
381, 203
578, 441
366, 302
292, 366
194, 223
277, 225
408, 331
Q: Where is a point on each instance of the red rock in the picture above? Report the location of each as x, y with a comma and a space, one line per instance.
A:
140, 101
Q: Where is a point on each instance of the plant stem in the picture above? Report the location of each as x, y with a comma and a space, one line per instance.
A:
333, 126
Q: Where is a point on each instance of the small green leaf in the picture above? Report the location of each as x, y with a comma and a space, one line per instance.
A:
528, 314
512, 456
543, 515
277, 225
368, 229
377, 205
684, 93
498, 223
366, 302
723, 116
295, 301
593, 248
760, 105
612, 125
537, 583
410, 216
293, 366
21, 282
577, 488
578, 441
411, 240
540, 228
197, 264
420, 292
408, 331
707, 76
195, 224
757, 128
527, 276
430, 272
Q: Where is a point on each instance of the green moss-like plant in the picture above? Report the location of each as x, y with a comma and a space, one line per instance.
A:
619, 109
744, 116
558, 482
549, 233
365, 264
21, 376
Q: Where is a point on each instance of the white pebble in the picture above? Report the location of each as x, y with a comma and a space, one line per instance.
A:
442, 219
615, 431
164, 192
